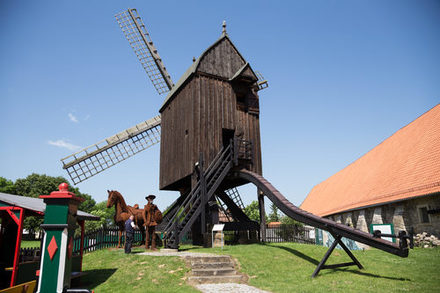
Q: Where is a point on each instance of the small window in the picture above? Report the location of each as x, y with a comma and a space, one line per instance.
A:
423, 214
241, 102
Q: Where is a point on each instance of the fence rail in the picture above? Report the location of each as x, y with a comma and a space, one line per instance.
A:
289, 233
108, 237
102, 238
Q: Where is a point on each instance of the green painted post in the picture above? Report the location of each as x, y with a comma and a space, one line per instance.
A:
59, 226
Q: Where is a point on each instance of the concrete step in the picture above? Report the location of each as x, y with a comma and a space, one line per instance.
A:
211, 265
209, 259
214, 272
215, 279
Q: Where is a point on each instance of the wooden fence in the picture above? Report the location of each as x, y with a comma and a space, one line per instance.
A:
102, 238
108, 237
289, 233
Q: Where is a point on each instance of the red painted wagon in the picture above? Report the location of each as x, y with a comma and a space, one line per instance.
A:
13, 210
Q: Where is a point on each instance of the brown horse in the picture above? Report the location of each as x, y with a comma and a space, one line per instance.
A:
123, 212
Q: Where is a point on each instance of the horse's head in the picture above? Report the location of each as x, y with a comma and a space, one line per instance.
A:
111, 198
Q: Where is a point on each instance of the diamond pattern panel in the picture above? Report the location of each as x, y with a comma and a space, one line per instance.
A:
52, 248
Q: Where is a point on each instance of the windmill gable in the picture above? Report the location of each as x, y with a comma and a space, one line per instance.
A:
222, 59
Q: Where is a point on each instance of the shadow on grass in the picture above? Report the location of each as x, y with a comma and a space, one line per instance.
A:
93, 278
299, 254
316, 262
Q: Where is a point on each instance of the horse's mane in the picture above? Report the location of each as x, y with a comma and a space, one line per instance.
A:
121, 199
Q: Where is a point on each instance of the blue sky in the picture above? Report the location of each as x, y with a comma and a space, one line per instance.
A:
343, 76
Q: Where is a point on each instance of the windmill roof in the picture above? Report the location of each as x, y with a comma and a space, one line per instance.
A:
405, 165
193, 69
36, 205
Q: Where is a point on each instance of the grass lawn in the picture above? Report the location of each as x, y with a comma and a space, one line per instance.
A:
111, 270
30, 243
281, 267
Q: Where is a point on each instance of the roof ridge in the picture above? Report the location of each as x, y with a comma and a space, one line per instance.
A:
408, 190
403, 165
379, 144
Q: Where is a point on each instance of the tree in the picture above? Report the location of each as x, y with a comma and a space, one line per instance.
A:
274, 216
107, 216
285, 220
253, 211
35, 185
7, 186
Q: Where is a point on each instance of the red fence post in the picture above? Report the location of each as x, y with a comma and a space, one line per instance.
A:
17, 248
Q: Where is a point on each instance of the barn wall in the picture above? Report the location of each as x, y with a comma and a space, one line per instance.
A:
203, 108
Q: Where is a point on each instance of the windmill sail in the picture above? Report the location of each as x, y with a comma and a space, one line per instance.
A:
112, 150
140, 40
261, 82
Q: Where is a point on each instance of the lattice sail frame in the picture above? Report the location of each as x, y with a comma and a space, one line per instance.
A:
140, 40
112, 150
236, 198
261, 82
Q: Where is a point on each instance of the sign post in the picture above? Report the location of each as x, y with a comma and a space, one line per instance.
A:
59, 227
218, 228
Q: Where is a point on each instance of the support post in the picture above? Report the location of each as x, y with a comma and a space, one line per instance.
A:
202, 194
262, 215
59, 226
81, 224
337, 241
17, 248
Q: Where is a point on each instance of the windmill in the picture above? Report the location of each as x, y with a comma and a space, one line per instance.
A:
210, 143
100, 156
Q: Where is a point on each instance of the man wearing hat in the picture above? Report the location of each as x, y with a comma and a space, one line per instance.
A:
150, 222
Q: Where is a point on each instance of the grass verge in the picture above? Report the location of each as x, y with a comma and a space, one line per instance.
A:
280, 267
111, 270
287, 267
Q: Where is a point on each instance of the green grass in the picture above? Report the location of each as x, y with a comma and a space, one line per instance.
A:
287, 267
281, 267
111, 270
30, 243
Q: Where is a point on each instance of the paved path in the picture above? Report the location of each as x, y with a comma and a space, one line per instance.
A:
176, 253
229, 288
208, 288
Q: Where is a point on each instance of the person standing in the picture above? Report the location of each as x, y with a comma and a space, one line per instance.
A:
151, 216
129, 233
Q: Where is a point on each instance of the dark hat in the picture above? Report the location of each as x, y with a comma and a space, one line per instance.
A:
150, 196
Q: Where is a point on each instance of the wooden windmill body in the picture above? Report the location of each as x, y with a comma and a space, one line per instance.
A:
216, 100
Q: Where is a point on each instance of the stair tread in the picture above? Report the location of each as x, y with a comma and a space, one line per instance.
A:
213, 269
216, 279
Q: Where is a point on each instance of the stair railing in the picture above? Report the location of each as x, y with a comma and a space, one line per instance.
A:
191, 207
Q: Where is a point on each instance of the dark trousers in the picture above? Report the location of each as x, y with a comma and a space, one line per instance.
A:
150, 237
128, 242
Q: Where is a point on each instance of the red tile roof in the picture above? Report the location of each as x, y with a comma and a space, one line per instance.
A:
407, 164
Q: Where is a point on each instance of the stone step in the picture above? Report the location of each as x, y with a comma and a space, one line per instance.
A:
207, 259
211, 265
215, 279
214, 272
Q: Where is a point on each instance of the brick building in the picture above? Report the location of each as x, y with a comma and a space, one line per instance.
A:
397, 182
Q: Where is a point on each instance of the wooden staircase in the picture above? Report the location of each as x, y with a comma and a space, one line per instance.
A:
194, 204
213, 269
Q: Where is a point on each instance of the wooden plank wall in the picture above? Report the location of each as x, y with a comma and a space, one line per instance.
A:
222, 60
194, 119
193, 123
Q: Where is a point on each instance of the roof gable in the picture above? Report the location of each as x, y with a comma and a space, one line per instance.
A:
221, 59
36, 205
405, 165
